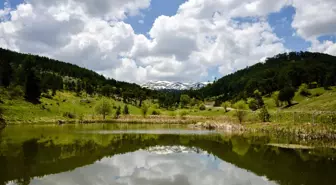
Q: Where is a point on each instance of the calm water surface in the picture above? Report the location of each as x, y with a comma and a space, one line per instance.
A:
150, 155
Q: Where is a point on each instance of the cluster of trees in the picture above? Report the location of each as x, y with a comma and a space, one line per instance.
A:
280, 73
36, 75
104, 108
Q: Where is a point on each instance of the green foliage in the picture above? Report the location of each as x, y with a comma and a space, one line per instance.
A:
241, 108
69, 115
286, 95
225, 105
125, 110
118, 112
156, 112
184, 100
202, 107
275, 97
6, 73
183, 114
144, 109
41, 74
287, 69
303, 90
15, 92
253, 104
32, 87
103, 107
264, 116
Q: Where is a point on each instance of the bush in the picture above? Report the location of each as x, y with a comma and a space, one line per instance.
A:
125, 110
275, 97
46, 95
240, 107
144, 110
183, 114
225, 105
173, 114
253, 104
118, 112
15, 92
264, 116
202, 107
156, 113
69, 115
303, 90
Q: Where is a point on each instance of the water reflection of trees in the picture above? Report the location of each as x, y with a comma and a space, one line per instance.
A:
38, 158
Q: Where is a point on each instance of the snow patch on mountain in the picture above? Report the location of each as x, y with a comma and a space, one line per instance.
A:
167, 85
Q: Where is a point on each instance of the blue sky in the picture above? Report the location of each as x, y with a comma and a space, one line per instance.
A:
188, 43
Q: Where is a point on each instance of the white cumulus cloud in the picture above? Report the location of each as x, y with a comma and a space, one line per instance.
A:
202, 35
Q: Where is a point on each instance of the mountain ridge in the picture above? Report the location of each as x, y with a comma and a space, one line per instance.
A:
169, 85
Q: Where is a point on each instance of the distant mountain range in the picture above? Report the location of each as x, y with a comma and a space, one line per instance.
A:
166, 85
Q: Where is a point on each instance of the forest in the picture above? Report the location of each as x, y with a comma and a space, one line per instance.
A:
33, 76
281, 72
36, 75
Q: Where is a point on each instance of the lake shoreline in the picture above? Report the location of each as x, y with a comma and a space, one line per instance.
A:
306, 131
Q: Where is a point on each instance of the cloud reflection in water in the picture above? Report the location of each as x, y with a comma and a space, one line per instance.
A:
162, 165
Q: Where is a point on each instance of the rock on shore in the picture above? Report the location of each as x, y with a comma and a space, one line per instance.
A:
227, 127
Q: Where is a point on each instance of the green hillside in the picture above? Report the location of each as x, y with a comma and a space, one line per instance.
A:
276, 73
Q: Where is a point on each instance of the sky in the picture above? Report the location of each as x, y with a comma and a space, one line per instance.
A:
175, 40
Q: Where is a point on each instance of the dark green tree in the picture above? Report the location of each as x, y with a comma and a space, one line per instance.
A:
6, 73
286, 95
32, 87
118, 112
125, 110
184, 100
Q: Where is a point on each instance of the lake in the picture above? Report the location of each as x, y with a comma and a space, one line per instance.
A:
121, 154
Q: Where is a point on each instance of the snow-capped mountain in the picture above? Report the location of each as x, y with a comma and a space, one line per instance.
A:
166, 85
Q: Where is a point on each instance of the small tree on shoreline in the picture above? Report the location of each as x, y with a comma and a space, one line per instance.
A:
104, 108
144, 109
240, 107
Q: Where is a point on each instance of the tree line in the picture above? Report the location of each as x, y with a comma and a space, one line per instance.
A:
34, 75
283, 72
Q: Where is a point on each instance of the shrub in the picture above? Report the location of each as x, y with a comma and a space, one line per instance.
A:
69, 115
264, 116
144, 110
183, 114
202, 107
253, 104
303, 90
118, 112
173, 114
275, 97
240, 107
225, 105
15, 92
156, 112
125, 110
46, 95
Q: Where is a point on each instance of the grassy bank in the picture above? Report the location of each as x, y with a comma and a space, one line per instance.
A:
301, 119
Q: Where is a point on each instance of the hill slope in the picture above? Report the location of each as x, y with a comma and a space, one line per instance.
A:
288, 69
57, 75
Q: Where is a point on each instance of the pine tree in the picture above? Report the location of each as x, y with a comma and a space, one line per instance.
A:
6, 73
32, 87
126, 111
118, 112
